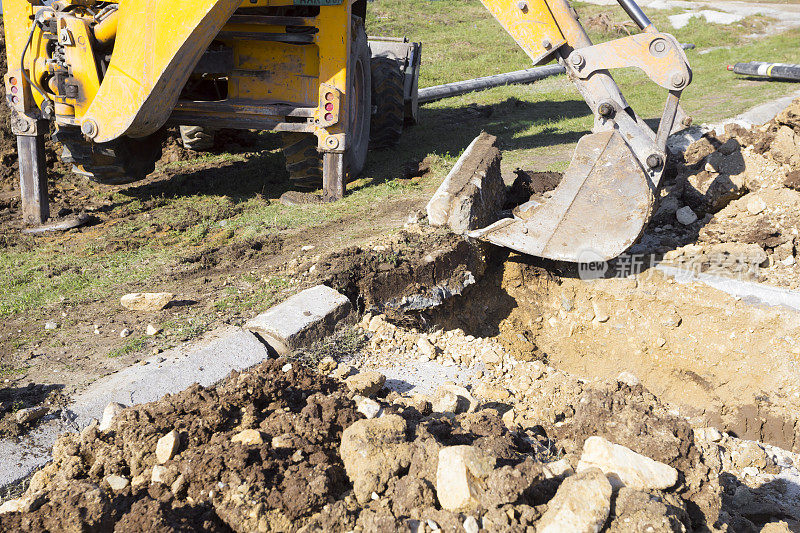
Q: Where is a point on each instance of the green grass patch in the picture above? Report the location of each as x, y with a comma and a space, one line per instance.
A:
132, 345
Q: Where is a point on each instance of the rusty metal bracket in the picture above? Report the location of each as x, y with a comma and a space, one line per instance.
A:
22, 124
659, 55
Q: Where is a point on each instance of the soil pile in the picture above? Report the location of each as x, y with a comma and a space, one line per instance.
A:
736, 199
282, 448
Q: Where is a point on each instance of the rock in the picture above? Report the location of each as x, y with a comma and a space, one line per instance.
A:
179, 486
111, 410
117, 483
375, 323
167, 446
755, 205
327, 364
465, 402
581, 505
283, 441
784, 147
286, 368
366, 383
600, 312
24, 504
560, 468
636, 512
624, 467
473, 193
373, 452
159, 474
125, 333
50, 325
792, 180
343, 371
773, 527
367, 406
248, 437
152, 330
146, 301
426, 348
491, 392
301, 319
628, 378
723, 181
446, 402
31, 414
686, 216
471, 525
460, 473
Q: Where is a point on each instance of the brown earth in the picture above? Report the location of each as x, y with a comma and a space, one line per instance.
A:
294, 479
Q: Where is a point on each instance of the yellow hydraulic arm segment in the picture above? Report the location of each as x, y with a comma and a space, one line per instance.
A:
157, 45
607, 194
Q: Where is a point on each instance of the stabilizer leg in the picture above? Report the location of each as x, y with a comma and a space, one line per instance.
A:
33, 179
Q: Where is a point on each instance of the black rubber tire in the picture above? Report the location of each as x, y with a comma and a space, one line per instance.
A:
388, 101
123, 160
303, 161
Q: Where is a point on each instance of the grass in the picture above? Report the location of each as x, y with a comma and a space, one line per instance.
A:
132, 345
202, 211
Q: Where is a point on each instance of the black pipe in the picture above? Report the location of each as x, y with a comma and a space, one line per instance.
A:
635, 13
518, 77
778, 71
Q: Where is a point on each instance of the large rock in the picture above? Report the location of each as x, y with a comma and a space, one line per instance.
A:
460, 476
624, 467
373, 451
473, 194
366, 383
146, 301
785, 148
712, 191
167, 446
301, 319
581, 505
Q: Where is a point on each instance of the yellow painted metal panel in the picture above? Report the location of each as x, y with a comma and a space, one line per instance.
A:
158, 43
530, 23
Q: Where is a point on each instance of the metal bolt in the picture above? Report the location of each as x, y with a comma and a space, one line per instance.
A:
606, 109
576, 59
659, 46
332, 142
522, 5
22, 125
687, 121
654, 160
547, 43
678, 80
89, 128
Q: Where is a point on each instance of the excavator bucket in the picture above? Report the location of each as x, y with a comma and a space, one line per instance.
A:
597, 211
607, 194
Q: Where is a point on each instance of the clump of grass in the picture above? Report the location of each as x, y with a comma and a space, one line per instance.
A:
344, 343
132, 345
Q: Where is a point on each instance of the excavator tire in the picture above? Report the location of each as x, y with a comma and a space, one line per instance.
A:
123, 160
388, 101
303, 161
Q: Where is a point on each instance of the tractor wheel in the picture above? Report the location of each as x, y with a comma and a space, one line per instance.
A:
303, 161
388, 100
123, 160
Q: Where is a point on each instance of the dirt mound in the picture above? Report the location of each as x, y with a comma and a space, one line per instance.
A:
733, 206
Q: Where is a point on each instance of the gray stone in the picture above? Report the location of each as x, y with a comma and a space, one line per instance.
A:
167, 446
301, 319
471, 525
624, 467
117, 483
146, 301
581, 505
460, 475
367, 406
111, 410
473, 193
686, 216
31, 414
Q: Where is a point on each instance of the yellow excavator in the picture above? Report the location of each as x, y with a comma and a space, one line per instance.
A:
110, 75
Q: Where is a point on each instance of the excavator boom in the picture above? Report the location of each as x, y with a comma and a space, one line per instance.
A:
607, 194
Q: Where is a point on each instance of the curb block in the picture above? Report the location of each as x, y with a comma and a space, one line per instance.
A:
302, 319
